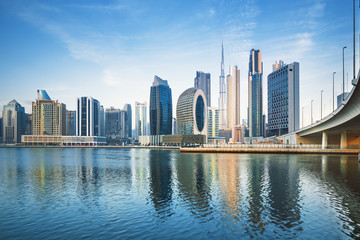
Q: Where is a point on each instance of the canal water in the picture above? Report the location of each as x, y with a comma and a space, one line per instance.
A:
164, 194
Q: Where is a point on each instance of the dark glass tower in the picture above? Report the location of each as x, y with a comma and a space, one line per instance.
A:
203, 81
255, 94
160, 108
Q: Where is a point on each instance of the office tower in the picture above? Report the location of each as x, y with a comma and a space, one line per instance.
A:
140, 119
115, 126
283, 100
278, 64
203, 81
28, 125
70, 123
222, 94
174, 127
191, 112
48, 116
160, 107
213, 122
88, 117
13, 122
1, 130
128, 120
233, 98
255, 94
102, 121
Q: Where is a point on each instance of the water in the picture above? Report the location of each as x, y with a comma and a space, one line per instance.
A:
163, 194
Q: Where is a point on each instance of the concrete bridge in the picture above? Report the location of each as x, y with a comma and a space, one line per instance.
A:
340, 128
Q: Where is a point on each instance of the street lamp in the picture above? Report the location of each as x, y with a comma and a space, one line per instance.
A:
321, 103
333, 92
343, 75
311, 112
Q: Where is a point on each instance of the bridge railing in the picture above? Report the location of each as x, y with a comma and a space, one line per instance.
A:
282, 146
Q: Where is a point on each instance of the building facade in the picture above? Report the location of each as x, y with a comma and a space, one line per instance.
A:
48, 116
174, 126
140, 119
102, 121
115, 123
213, 122
88, 117
70, 123
203, 81
128, 120
160, 107
233, 98
13, 122
222, 94
191, 112
283, 99
255, 94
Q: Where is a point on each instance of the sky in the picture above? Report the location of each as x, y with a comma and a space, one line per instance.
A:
111, 50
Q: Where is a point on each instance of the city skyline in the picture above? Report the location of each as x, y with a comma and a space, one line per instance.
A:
80, 57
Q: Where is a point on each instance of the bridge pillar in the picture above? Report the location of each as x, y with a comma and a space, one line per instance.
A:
324, 140
343, 140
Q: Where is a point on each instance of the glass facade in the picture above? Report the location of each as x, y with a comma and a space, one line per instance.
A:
256, 124
203, 81
191, 112
160, 108
13, 122
88, 117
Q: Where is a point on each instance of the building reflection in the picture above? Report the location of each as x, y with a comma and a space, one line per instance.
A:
160, 181
284, 193
193, 184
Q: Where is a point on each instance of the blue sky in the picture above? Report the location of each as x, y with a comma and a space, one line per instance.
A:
111, 50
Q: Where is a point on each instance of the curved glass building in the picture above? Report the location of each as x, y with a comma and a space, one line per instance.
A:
191, 112
160, 108
42, 95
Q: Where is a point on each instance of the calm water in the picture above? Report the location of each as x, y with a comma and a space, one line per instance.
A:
163, 194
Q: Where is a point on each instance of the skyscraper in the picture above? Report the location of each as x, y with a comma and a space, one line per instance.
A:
102, 121
115, 123
70, 123
88, 117
48, 116
203, 81
283, 99
213, 122
233, 98
191, 112
255, 94
160, 107
140, 119
13, 122
222, 93
128, 120
174, 127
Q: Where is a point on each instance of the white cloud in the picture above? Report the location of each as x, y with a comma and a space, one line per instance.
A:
110, 78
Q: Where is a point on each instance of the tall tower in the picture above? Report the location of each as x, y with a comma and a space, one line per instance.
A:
203, 81
160, 108
233, 98
88, 117
255, 94
13, 122
140, 119
222, 93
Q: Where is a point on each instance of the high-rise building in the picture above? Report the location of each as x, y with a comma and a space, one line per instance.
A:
174, 126
128, 120
140, 119
1, 130
191, 112
115, 123
102, 121
13, 122
160, 107
283, 99
255, 94
70, 123
213, 122
233, 98
48, 116
222, 94
88, 117
278, 64
28, 125
203, 81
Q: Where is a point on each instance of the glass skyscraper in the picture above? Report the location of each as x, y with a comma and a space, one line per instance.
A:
160, 108
256, 124
128, 120
283, 99
88, 117
140, 119
203, 81
222, 94
13, 122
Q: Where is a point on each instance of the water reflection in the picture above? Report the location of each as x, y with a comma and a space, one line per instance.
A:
214, 195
